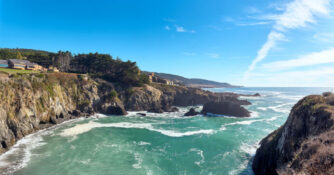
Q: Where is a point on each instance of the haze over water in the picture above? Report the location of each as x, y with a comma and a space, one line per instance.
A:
157, 143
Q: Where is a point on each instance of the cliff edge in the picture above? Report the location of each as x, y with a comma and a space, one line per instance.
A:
304, 144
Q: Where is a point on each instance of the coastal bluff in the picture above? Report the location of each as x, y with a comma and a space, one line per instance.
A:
304, 144
30, 102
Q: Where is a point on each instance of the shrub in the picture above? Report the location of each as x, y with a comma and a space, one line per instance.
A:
113, 94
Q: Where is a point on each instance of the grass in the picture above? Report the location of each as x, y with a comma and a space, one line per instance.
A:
15, 71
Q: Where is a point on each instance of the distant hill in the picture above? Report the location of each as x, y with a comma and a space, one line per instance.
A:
194, 82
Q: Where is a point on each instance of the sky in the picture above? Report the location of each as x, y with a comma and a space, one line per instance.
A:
252, 43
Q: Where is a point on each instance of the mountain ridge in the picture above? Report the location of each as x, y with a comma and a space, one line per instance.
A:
193, 82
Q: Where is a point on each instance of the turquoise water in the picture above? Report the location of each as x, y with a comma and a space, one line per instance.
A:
155, 144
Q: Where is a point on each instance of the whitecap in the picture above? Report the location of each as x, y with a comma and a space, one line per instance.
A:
280, 108
262, 108
142, 143
200, 153
249, 149
254, 114
138, 160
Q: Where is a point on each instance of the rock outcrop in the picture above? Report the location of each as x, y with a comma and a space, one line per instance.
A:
226, 108
191, 112
304, 144
31, 102
161, 98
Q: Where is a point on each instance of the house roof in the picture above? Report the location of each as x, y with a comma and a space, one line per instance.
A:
17, 61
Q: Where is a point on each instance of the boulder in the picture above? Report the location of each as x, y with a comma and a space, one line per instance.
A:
191, 112
226, 108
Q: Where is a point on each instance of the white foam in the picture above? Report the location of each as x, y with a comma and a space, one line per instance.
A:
139, 161
249, 149
21, 152
200, 153
83, 128
142, 143
280, 108
254, 114
19, 155
262, 108
246, 122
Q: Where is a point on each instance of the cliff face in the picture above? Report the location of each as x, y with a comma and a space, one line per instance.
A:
304, 144
31, 102
161, 98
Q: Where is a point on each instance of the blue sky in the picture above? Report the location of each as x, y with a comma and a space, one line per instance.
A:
252, 43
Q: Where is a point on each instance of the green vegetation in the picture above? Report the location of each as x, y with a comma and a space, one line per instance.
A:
113, 70
15, 71
98, 65
113, 95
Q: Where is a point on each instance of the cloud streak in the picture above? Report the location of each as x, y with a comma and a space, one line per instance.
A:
183, 30
213, 55
316, 58
297, 14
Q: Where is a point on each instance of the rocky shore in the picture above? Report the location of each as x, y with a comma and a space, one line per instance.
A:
304, 144
30, 102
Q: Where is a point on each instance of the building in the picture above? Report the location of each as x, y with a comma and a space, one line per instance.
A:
24, 64
4, 63
18, 64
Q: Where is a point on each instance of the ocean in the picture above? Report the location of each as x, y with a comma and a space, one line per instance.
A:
156, 144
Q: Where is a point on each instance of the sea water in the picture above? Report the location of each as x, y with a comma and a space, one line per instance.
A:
157, 144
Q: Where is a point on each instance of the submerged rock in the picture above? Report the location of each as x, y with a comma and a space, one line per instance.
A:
141, 114
227, 108
191, 112
304, 144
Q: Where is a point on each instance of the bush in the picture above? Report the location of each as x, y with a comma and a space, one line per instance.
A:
113, 94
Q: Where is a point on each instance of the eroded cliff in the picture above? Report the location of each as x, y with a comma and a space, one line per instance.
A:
304, 144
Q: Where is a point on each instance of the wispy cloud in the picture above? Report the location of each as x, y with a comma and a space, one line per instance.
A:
167, 27
169, 20
248, 22
324, 37
213, 55
253, 23
297, 14
316, 58
273, 37
252, 10
182, 29
319, 77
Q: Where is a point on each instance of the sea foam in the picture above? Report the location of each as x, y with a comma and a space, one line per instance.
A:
86, 127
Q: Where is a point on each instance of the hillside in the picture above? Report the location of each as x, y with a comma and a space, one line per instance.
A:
194, 82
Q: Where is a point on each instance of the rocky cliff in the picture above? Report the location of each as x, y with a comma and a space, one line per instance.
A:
30, 102
304, 144
162, 98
